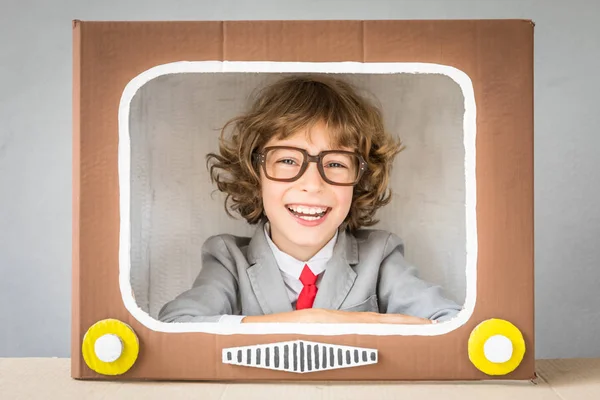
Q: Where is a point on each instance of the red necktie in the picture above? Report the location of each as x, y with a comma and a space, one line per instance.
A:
309, 291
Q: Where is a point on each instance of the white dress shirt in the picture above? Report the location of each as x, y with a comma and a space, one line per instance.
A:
291, 269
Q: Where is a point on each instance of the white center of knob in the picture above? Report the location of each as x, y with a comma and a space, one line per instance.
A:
498, 349
108, 348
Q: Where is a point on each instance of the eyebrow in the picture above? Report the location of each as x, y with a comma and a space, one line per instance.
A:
287, 142
292, 144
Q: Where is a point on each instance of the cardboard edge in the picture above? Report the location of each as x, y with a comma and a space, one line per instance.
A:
77, 353
76, 371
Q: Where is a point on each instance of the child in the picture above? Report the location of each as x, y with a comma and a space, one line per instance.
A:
309, 164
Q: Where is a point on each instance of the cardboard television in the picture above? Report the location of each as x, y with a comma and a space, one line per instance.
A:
149, 99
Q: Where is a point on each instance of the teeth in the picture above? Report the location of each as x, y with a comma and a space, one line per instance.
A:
307, 210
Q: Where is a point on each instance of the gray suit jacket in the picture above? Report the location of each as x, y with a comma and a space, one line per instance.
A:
367, 272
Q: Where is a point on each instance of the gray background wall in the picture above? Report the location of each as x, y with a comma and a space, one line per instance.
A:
35, 152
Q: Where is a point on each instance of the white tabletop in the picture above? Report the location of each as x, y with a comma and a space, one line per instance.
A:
49, 378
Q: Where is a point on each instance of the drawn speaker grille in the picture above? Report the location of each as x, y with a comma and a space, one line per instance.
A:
299, 356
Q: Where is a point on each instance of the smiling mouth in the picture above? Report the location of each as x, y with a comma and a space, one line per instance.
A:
308, 213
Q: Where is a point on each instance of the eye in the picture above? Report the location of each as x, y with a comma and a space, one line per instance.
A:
287, 161
335, 164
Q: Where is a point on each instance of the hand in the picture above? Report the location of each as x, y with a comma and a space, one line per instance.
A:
403, 319
323, 316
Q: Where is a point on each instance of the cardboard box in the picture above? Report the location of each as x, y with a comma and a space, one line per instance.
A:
491, 64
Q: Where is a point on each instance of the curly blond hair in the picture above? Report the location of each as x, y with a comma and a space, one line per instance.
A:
284, 108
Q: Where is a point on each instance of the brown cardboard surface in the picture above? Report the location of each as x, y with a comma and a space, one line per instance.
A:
497, 56
75, 291
22, 378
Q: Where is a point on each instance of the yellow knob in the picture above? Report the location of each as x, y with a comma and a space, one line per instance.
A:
496, 347
110, 347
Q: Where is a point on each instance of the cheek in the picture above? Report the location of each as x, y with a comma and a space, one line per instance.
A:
266, 193
344, 197
271, 194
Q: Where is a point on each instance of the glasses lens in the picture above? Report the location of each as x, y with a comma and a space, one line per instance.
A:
283, 163
341, 167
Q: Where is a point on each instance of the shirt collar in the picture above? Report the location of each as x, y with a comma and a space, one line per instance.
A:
294, 267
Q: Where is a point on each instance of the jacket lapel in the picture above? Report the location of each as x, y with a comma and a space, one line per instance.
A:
265, 276
339, 276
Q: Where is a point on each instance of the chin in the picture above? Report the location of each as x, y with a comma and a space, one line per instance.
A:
309, 236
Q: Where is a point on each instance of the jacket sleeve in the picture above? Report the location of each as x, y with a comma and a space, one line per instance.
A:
214, 292
400, 291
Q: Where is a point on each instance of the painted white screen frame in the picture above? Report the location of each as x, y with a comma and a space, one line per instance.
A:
124, 168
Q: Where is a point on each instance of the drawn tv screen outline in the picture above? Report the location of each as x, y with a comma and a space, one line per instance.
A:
469, 137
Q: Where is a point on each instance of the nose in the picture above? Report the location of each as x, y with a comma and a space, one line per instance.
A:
311, 180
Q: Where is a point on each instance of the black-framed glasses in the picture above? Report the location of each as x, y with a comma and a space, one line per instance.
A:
288, 164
